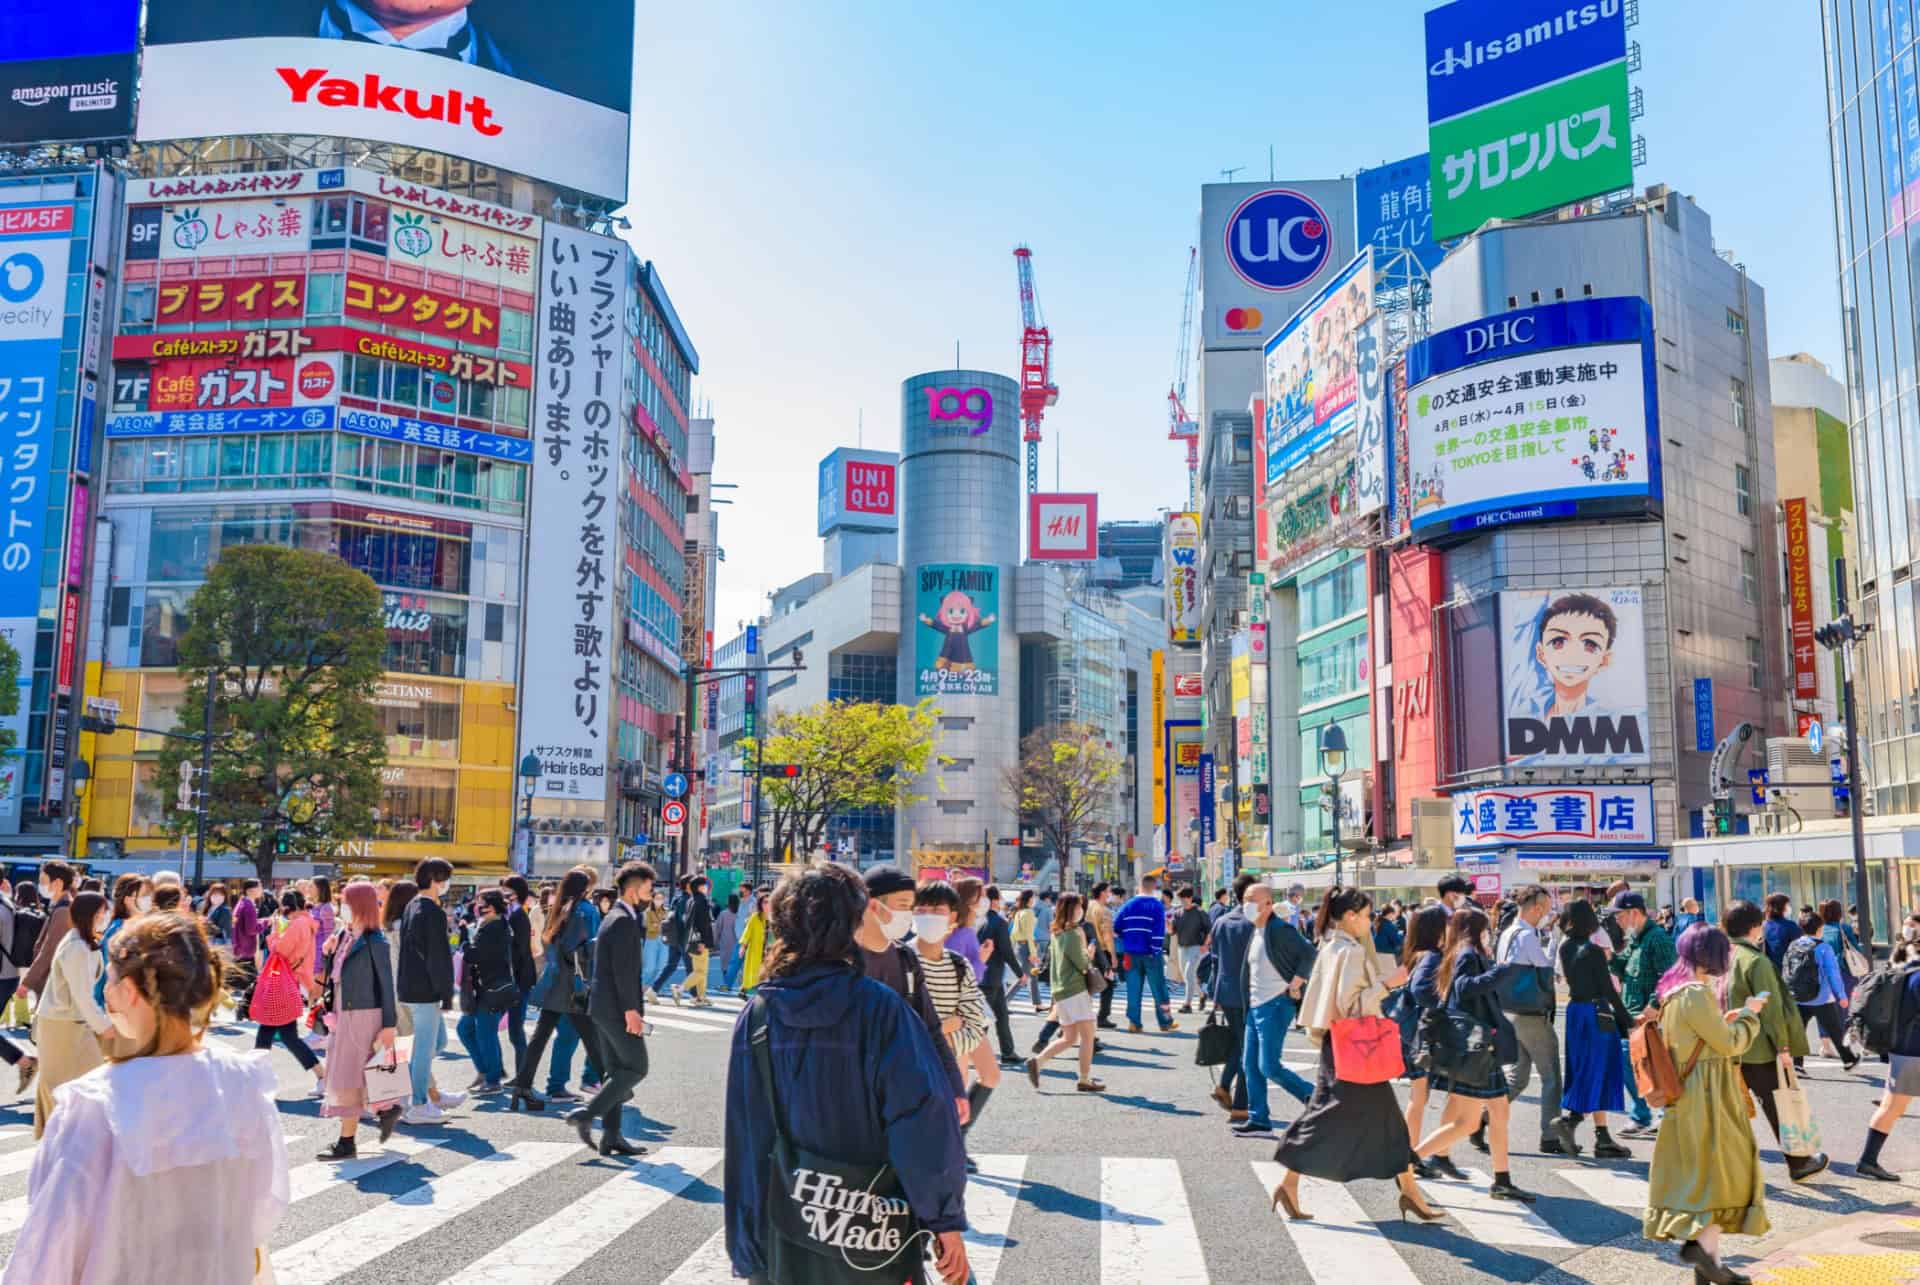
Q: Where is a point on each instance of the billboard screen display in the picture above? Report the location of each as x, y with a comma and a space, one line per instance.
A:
1899, 113
1266, 249
1063, 527
67, 70
860, 490
1182, 562
1393, 209
1527, 107
956, 636
572, 641
1544, 413
1574, 672
481, 79
1311, 385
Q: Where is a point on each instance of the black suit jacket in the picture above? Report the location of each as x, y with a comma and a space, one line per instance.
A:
616, 967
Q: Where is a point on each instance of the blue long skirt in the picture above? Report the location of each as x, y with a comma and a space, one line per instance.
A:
1593, 1064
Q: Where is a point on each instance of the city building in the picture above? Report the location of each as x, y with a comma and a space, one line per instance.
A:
1129, 555
1813, 469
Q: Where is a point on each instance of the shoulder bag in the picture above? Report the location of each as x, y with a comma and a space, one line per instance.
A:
276, 996
820, 1208
1366, 1048
1214, 1047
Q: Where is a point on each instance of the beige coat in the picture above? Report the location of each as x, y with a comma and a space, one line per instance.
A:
1349, 980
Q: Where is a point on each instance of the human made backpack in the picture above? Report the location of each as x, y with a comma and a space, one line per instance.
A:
1800, 969
1659, 1081
28, 924
1874, 1018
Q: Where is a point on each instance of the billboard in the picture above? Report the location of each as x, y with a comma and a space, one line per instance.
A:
1393, 210
1806, 672
1063, 526
1182, 563
956, 636
1311, 385
1573, 666
482, 79
1527, 107
1899, 113
67, 70
1158, 670
860, 490
1546, 412
1558, 814
221, 229
566, 672
1265, 249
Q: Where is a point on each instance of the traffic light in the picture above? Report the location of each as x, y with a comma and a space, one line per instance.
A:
1723, 816
788, 770
282, 843
1835, 633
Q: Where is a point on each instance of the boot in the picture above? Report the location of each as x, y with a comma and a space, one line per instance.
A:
1801, 1168
611, 1141
583, 1125
342, 1149
976, 1103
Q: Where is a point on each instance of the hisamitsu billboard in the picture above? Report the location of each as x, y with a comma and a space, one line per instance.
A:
540, 89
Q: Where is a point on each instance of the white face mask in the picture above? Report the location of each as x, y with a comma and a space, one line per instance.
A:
895, 924
46, 893
143, 903
123, 1022
932, 929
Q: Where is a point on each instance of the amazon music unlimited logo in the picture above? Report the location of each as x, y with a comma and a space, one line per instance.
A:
1278, 239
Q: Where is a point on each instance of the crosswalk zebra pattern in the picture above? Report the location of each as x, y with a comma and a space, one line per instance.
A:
1137, 1217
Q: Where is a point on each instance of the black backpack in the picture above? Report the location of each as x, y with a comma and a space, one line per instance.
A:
27, 926
1874, 1018
1800, 970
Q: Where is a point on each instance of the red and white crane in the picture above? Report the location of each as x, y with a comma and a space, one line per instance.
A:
1181, 426
1037, 389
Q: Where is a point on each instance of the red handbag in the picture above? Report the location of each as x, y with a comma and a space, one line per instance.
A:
276, 996
1366, 1050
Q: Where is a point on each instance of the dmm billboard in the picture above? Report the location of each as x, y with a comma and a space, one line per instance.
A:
1574, 674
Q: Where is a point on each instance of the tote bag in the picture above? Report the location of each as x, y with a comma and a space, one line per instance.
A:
1366, 1050
385, 1078
1799, 1135
276, 996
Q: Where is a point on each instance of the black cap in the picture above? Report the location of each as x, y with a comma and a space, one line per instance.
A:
1629, 901
882, 880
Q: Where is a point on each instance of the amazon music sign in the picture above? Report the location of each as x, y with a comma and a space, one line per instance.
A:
1265, 250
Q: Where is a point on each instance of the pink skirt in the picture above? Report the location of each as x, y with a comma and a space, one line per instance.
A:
348, 1051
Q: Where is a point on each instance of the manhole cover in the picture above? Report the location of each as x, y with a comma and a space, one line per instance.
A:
1902, 1240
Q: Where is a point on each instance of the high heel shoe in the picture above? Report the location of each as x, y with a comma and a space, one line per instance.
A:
1710, 1269
1282, 1199
519, 1097
1408, 1207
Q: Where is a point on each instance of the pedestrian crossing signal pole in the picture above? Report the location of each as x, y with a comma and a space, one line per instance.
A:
1843, 635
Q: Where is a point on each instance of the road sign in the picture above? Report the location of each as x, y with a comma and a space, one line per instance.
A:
674, 830
1816, 735
753, 639
674, 813
674, 783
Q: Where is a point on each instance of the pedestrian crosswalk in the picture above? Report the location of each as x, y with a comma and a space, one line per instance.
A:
1137, 1218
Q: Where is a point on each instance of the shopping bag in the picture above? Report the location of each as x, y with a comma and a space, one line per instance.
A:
276, 996
385, 1077
1799, 1135
1366, 1050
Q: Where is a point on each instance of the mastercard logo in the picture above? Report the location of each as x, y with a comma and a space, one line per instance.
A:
316, 379
1243, 319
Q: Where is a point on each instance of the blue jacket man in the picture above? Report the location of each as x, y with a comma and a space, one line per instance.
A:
858, 1080
1275, 962
1141, 930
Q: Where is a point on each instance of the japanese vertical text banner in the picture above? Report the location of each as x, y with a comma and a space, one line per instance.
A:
573, 561
1806, 673
956, 634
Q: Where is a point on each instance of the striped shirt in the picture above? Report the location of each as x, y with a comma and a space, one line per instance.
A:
954, 993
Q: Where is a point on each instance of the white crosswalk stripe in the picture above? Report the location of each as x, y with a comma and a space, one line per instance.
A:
1608, 1187
992, 1196
708, 1266
1147, 1232
1339, 1242
1490, 1221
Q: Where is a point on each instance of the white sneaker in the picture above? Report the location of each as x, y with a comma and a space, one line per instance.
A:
424, 1113
449, 1099
676, 995
651, 997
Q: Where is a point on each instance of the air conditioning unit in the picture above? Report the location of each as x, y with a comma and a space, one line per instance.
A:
1433, 833
1799, 778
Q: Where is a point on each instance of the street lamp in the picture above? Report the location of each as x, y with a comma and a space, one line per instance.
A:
1333, 762
529, 786
81, 776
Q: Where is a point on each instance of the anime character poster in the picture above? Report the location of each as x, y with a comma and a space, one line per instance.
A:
956, 634
1574, 666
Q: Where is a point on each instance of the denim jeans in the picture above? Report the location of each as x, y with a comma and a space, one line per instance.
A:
429, 1041
675, 958
1267, 1026
730, 975
480, 1035
1639, 1110
652, 956
1149, 971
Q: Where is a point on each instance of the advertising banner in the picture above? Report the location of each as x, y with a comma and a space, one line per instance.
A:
1311, 384
956, 636
1527, 107
1899, 112
1393, 210
1605, 814
221, 229
1186, 827
860, 490
206, 423
1207, 820
403, 428
1372, 450
392, 303
1574, 674
1063, 527
483, 79
1159, 738
566, 671
1704, 739
464, 250
1265, 250
1806, 674
214, 383
1182, 562
204, 300
1543, 413
67, 70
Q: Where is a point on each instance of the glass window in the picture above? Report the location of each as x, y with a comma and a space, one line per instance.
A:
1333, 596
1332, 671
1749, 576
1742, 490
325, 293
162, 622
416, 804
516, 330
1737, 395
401, 384
476, 400
419, 720
1736, 322
310, 460
137, 304
363, 376
330, 221
1756, 664
123, 465
512, 406
426, 634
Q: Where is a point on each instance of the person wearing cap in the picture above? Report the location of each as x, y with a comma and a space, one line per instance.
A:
884, 924
1644, 958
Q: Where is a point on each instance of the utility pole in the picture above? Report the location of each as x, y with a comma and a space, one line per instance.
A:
206, 783
1841, 634
692, 686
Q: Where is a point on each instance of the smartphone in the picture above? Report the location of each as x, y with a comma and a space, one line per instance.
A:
1763, 996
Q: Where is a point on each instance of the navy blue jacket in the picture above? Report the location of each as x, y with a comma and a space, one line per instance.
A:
1231, 933
1780, 935
858, 1079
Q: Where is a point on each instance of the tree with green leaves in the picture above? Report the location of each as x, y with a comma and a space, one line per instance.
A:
851, 755
293, 643
1064, 779
9, 706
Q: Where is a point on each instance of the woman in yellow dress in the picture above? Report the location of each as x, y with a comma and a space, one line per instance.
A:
753, 945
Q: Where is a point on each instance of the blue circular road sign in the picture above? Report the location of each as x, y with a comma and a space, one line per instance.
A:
675, 784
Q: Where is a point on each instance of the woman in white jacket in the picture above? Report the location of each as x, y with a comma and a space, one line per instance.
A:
133, 1146
69, 1024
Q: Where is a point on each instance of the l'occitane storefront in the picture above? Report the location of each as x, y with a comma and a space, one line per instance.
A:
447, 789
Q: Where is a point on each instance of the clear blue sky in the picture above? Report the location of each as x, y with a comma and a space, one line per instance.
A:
832, 191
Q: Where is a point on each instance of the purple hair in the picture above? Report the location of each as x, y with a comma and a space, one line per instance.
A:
1700, 946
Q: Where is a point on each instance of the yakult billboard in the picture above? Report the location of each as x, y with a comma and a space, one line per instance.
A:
483, 79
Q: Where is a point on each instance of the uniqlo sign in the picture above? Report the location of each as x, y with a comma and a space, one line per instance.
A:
869, 487
1063, 527
1806, 676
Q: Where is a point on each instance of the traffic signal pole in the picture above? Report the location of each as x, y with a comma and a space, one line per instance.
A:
206, 784
1856, 805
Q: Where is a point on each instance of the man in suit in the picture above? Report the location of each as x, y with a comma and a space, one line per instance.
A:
617, 1005
440, 27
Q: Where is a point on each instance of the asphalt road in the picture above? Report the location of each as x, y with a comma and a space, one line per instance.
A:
1143, 1183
